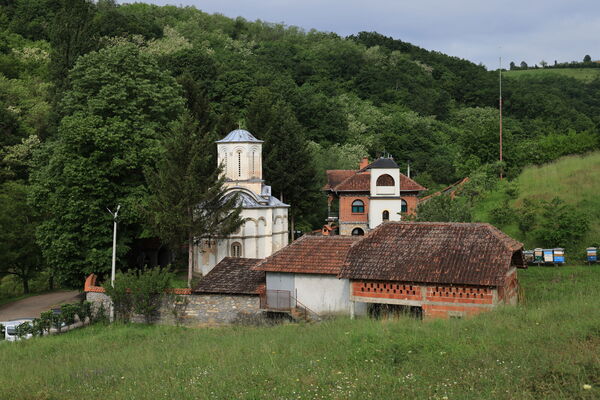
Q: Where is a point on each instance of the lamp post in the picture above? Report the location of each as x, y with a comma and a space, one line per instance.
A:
114, 257
114, 251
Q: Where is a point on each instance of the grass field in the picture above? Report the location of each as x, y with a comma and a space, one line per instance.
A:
583, 74
546, 348
574, 179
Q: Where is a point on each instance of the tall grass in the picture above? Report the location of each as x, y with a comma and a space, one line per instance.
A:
547, 348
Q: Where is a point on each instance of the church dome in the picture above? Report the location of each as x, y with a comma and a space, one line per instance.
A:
239, 136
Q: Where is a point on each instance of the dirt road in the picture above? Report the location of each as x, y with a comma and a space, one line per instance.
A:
31, 307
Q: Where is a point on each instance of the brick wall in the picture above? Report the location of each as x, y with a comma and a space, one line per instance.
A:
201, 308
346, 214
436, 301
411, 203
509, 294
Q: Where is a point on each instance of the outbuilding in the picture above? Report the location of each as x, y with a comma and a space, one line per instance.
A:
434, 269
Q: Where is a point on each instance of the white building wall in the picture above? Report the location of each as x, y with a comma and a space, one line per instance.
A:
378, 206
323, 294
385, 190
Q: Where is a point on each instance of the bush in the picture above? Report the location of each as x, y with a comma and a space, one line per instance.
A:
140, 292
562, 225
23, 329
45, 322
444, 208
84, 311
2, 332
148, 290
68, 313
502, 215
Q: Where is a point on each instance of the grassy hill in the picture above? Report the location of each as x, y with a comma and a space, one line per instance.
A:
549, 347
582, 74
574, 179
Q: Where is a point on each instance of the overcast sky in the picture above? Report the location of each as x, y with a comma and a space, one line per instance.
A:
478, 30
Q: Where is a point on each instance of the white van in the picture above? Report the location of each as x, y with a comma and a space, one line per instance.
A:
10, 329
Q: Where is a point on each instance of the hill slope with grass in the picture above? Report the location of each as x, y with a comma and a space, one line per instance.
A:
546, 348
582, 74
573, 179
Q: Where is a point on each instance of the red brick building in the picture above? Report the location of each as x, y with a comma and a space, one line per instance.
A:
437, 269
362, 199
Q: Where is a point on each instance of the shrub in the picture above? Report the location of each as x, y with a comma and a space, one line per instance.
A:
2, 332
148, 290
502, 215
45, 322
68, 313
37, 328
140, 292
23, 329
443, 208
562, 225
84, 311
120, 295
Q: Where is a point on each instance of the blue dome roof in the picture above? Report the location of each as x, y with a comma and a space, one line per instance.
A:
239, 135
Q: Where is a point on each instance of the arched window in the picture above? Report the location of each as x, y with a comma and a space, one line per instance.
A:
403, 206
236, 250
239, 160
358, 207
358, 232
385, 180
385, 215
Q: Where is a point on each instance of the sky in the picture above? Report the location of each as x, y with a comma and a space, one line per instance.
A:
478, 30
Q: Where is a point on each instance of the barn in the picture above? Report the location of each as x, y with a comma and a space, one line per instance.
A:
434, 269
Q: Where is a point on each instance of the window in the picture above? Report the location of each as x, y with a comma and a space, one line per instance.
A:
357, 232
253, 163
236, 250
385, 180
403, 206
385, 216
239, 160
358, 207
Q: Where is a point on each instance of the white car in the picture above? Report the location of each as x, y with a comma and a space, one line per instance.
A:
10, 329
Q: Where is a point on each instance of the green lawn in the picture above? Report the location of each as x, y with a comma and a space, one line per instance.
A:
584, 74
547, 348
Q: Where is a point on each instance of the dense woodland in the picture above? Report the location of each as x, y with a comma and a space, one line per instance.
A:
91, 92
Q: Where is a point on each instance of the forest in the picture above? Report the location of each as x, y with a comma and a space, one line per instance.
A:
91, 94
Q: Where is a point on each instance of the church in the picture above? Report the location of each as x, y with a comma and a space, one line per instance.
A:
265, 228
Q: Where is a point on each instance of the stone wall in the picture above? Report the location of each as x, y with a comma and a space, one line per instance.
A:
197, 309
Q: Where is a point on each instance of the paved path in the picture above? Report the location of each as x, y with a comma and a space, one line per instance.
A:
31, 307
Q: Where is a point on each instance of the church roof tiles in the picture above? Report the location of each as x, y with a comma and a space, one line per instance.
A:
233, 276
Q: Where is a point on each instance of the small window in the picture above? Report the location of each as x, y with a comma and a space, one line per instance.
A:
236, 250
358, 207
403, 206
385, 180
385, 215
358, 232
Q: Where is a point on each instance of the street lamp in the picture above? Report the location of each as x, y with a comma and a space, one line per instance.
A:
114, 252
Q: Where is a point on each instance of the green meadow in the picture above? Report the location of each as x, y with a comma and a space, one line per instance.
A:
546, 348
582, 74
573, 179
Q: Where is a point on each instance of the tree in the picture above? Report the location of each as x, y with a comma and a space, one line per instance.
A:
288, 164
562, 225
444, 208
187, 201
19, 253
512, 65
587, 58
119, 105
523, 65
543, 64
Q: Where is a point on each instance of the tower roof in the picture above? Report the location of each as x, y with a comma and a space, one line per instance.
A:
382, 163
239, 136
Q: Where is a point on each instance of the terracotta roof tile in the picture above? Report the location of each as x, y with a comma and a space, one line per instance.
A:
361, 182
233, 276
337, 176
433, 252
310, 255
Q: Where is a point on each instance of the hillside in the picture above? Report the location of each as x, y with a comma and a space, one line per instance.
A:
546, 348
90, 91
574, 179
582, 74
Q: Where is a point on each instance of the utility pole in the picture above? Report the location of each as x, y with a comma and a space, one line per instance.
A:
500, 107
114, 257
